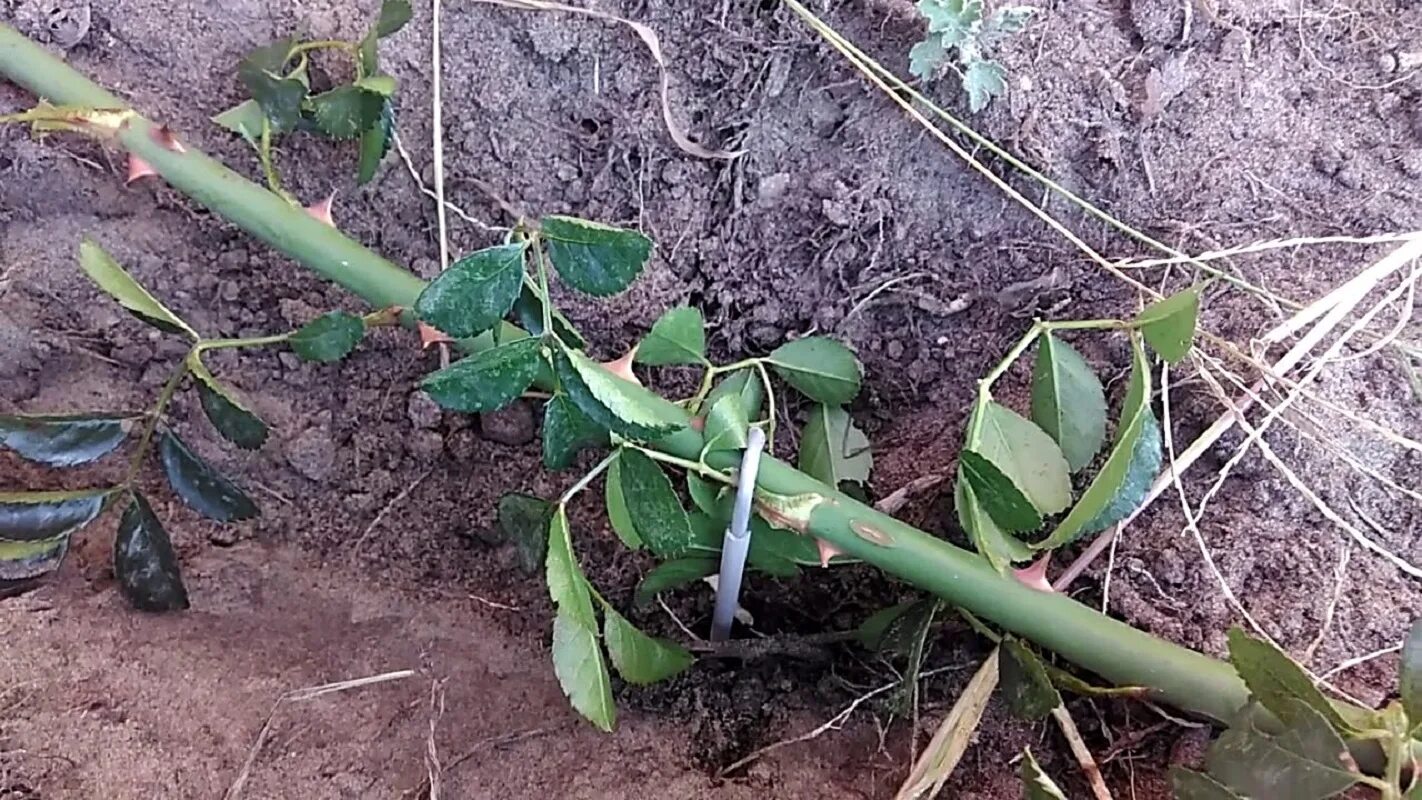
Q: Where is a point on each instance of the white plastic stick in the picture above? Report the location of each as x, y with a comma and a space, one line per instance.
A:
736, 543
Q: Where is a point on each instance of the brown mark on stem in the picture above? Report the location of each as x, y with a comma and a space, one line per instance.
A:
869, 533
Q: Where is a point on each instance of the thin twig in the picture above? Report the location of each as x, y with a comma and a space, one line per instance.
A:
395, 501
434, 775
1340, 577
1084, 759
234, 791
427, 192
832, 724
1358, 661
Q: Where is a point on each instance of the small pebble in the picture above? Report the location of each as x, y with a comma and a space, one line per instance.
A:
423, 411
511, 426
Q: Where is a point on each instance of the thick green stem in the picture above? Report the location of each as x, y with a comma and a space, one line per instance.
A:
1110, 648
247, 205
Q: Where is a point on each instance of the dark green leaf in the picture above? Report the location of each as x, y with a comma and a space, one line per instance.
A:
368, 55
63, 440
1187, 784
1108, 483
104, 271
1036, 784
582, 671
998, 494
524, 519
1140, 475
617, 515
528, 310
1279, 684
145, 562
704, 493
903, 633
202, 487
567, 430
1409, 677
673, 574
25, 561
1068, 401
594, 258
1022, 453
272, 57
872, 632
475, 292
488, 381
383, 85
375, 143
566, 585
747, 384
616, 404
329, 337
726, 425
394, 14
641, 659
914, 628
234, 421
281, 99
678, 337
1305, 762
821, 369
1025, 682
40, 516
999, 547
345, 112
775, 551
243, 119
655, 511
1169, 324
832, 449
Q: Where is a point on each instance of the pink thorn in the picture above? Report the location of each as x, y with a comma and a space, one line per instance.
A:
322, 211
827, 551
1035, 576
138, 169
622, 367
163, 135
430, 335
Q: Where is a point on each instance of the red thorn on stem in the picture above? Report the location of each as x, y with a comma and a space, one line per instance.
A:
138, 169
827, 551
322, 211
698, 423
430, 335
622, 367
164, 137
1035, 576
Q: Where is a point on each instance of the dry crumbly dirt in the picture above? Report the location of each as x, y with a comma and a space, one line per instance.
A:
1262, 119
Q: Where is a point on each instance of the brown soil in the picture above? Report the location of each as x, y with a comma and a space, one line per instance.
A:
1262, 121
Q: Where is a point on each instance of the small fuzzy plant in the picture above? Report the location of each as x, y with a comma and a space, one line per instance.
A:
277, 76
960, 34
1030, 480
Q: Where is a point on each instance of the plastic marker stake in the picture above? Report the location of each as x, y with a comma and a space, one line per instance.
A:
736, 542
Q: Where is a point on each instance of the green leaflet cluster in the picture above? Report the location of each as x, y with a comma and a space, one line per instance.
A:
590, 404
1016, 473
959, 34
1293, 742
36, 528
277, 76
